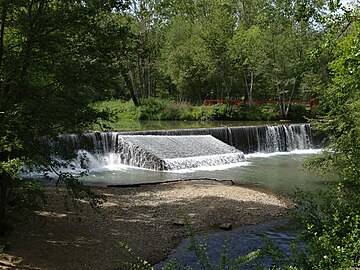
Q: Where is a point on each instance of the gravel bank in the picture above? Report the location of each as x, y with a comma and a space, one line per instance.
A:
144, 217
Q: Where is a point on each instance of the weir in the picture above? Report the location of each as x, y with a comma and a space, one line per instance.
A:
188, 148
175, 152
250, 139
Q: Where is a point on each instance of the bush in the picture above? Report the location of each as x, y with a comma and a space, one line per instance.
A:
152, 109
162, 109
299, 112
225, 112
331, 223
202, 113
230, 112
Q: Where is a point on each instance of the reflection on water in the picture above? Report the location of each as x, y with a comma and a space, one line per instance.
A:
275, 172
131, 125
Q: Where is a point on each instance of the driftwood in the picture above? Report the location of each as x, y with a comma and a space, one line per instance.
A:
170, 181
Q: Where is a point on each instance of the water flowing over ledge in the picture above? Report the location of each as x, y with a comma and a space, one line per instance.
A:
175, 152
184, 148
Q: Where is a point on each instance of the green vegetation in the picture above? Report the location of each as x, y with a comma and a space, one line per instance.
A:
332, 223
59, 58
50, 71
125, 114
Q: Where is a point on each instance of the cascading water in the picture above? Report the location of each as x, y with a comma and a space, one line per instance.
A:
175, 152
184, 148
270, 139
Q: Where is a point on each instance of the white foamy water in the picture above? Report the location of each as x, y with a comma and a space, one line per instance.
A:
223, 167
293, 152
111, 162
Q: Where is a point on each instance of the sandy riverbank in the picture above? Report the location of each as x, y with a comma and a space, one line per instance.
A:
143, 217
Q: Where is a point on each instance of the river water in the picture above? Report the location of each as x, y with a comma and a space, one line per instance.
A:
279, 172
273, 162
240, 241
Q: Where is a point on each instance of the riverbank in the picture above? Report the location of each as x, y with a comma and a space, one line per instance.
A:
146, 218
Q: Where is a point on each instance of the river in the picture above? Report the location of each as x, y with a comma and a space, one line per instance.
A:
272, 162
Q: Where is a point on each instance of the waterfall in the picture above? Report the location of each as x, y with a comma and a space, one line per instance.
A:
250, 139
270, 139
175, 152
184, 148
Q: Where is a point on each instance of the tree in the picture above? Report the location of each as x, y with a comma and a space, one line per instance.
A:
197, 44
293, 31
249, 52
222, 49
54, 61
185, 59
332, 224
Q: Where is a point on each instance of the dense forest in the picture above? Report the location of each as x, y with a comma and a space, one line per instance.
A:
59, 57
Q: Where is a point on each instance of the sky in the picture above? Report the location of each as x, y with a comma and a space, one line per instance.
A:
346, 2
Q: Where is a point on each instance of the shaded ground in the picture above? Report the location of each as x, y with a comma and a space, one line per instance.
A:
143, 217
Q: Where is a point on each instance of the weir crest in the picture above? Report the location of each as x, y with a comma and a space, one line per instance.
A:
184, 148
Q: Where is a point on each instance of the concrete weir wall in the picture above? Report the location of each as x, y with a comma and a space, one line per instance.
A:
187, 148
175, 152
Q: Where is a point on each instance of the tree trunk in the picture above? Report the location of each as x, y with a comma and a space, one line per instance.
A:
27, 52
6, 187
295, 89
246, 87
250, 89
132, 88
2, 29
281, 104
142, 71
149, 86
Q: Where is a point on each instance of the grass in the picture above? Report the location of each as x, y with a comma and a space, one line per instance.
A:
126, 116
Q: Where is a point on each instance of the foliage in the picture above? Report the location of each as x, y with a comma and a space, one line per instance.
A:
17, 196
331, 219
161, 109
28, 195
132, 261
54, 61
59, 57
152, 108
300, 113
2, 247
76, 190
332, 234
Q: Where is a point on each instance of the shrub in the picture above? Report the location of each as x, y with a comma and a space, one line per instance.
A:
202, 113
162, 109
151, 109
298, 112
225, 112
331, 223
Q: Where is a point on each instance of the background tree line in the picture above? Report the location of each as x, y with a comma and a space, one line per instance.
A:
224, 49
